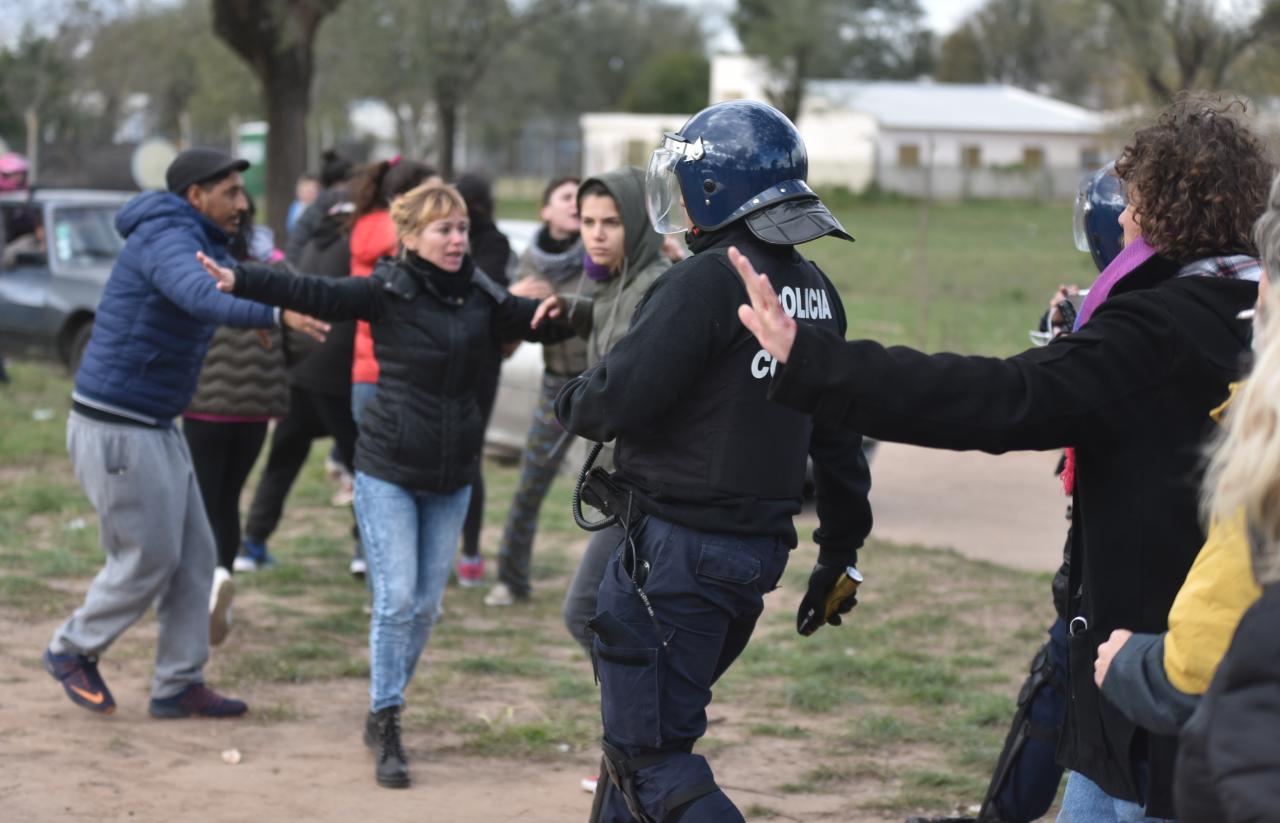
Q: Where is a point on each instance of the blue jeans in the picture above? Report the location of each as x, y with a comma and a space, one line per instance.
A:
409, 542
707, 591
1084, 802
361, 394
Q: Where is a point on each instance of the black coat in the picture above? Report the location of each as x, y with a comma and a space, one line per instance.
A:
431, 332
325, 368
1131, 391
685, 394
1229, 757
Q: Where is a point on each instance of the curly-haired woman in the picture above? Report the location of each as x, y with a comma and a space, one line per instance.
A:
435, 319
1130, 391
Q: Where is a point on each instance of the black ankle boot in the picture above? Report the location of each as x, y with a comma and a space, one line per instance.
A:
382, 733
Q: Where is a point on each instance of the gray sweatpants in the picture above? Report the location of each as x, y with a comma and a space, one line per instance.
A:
580, 599
158, 544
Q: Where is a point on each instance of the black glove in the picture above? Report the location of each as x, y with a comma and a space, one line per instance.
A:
812, 613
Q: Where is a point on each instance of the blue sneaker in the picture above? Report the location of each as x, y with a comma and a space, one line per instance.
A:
78, 674
196, 700
253, 556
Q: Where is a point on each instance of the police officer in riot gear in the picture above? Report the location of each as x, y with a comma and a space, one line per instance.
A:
709, 473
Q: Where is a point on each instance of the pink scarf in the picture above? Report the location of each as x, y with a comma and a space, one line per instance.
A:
1130, 258
1125, 263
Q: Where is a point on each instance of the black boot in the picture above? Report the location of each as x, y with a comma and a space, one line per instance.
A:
382, 734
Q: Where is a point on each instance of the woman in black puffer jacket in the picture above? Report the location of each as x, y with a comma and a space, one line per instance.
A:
435, 320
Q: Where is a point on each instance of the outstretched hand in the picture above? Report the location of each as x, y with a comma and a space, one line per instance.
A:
305, 323
308, 325
226, 277
764, 317
551, 307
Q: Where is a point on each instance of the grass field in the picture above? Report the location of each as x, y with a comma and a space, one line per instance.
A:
900, 711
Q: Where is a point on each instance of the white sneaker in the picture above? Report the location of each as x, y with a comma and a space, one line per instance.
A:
500, 595
243, 563
220, 597
589, 784
358, 567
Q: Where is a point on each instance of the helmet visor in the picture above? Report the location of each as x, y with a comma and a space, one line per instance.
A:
1079, 220
662, 196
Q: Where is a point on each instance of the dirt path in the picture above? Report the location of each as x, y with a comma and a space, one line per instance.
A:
302, 754
1008, 509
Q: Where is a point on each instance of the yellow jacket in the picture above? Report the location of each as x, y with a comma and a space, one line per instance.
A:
1218, 590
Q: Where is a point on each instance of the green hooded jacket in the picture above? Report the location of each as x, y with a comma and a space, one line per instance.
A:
615, 299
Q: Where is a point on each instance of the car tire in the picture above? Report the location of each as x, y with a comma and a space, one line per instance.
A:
79, 342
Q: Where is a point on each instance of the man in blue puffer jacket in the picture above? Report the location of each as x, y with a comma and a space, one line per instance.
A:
158, 311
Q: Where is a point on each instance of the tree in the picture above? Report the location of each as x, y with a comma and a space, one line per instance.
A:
1172, 45
673, 81
430, 56
194, 84
275, 38
871, 39
1047, 45
35, 80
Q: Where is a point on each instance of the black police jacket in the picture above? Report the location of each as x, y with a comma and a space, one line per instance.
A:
432, 330
1131, 391
684, 394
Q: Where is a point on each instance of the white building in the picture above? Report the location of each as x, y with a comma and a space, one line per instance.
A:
915, 138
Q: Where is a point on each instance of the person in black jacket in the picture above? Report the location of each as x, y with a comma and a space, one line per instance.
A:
1129, 391
319, 381
708, 473
1229, 753
492, 252
435, 317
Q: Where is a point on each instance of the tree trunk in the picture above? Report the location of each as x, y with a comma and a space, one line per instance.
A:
286, 99
447, 121
31, 119
275, 40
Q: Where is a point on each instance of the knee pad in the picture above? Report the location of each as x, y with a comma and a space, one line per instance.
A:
674, 781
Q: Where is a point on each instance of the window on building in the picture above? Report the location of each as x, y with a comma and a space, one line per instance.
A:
909, 155
1033, 157
1090, 158
971, 157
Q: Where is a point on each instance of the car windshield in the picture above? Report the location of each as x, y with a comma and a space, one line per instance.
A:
85, 235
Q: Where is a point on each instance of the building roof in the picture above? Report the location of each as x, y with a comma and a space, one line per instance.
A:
930, 106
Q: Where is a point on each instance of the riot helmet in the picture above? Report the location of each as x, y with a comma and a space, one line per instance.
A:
734, 160
1097, 217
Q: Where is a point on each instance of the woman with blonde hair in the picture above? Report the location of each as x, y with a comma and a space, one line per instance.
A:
1229, 759
434, 318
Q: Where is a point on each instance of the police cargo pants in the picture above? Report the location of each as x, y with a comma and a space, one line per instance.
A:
707, 591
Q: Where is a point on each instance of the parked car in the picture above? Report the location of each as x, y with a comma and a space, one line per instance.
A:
59, 246
521, 380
